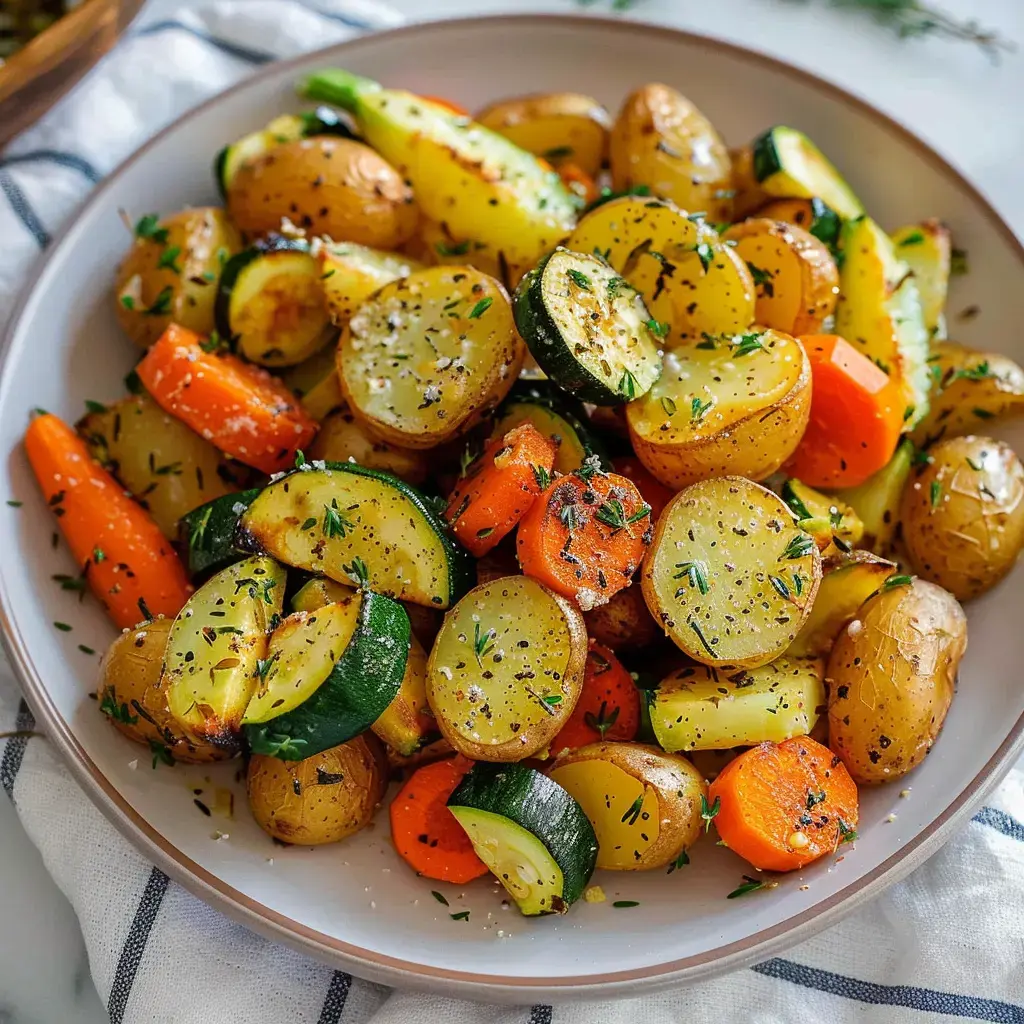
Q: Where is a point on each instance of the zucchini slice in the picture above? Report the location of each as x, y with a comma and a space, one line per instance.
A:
358, 526
207, 533
286, 128
877, 500
328, 675
215, 647
270, 302
317, 592
846, 585
831, 522
787, 164
879, 312
315, 383
531, 834
700, 708
927, 248
588, 328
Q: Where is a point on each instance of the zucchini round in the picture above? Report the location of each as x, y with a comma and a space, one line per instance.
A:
588, 328
524, 826
207, 533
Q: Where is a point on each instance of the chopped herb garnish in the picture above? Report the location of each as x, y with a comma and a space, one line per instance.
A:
558, 153
680, 862
147, 227
780, 587
133, 382
800, 545
542, 476
762, 279
709, 813
552, 699
705, 254
162, 755
480, 308
91, 406
462, 915
13, 503
76, 583
128, 302
612, 514
336, 523
571, 517
452, 249
86, 650
325, 778
300, 459
982, 414
696, 574
118, 712
161, 304
980, 372
579, 279
483, 642
668, 405
899, 580
308, 524
168, 257
814, 799
748, 343
63, 627
749, 885
958, 262
657, 328
847, 834
633, 811
703, 639
144, 609
439, 897
621, 904
699, 408
935, 493
914, 238
263, 666
214, 343
601, 722
627, 385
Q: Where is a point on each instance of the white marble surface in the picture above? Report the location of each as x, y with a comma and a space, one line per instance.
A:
969, 109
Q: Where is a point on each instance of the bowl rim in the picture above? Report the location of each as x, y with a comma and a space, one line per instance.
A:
380, 967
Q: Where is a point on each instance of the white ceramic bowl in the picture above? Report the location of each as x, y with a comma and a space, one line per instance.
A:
356, 905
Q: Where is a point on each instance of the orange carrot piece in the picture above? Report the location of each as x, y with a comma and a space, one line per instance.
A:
129, 564
577, 180
654, 492
856, 416
585, 538
501, 486
425, 833
783, 805
609, 704
455, 108
240, 408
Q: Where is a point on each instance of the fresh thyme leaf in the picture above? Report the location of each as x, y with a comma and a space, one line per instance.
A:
483, 642
161, 304
699, 408
680, 862
462, 915
480, 308
627, 385
542, 476
62, 626
439, 897
452, 249
709, 813
958, 262
780, 587
308, 524
668, 405
762, 279
982, 414
128, 302
91, 406
162, 755
13, 503
133, 382
800, 545
633, 811
214, 343
623, 904
336, 523
168, 257
914, 238
847, 834
147, 228
357, 572
657, 328
980, 372
579, 279
749, 885
118, 712
898, 580
695, 573
599, 722
300, 459
705, 254
935, 493
748, 343
85, 649
571, 517
612, 514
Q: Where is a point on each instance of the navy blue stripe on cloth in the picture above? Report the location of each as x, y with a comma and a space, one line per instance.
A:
14, 752
1001, 822
342, 19
540, 1015
135, 945
250, 56
909, 996
337, 996
25, 213
54, 156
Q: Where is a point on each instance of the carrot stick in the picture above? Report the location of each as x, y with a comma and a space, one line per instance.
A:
784, 805
578, 181
129, 564
856, 416
608, 707
502, 484
585, 536
654, 492
425, 833
240, 408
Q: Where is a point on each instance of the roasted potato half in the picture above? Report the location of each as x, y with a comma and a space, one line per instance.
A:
729, 575
660, 139
170, 273
963, 515
435, 245
326, 186
322, 799
624, 623
748, 195
968, 390
728, 405
342, 438
561, 127
644, 804
795, 275
130, 693
891, 677
351, 273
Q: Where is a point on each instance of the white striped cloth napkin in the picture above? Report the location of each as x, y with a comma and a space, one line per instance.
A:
947, 943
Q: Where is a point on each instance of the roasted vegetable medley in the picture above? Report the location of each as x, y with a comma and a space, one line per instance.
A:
597, 483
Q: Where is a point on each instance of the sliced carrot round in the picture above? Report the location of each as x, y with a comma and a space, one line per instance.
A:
425, 833
653, 491
783, 805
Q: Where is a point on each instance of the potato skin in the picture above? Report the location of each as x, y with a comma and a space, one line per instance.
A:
891, 676
131, 672
343, 437
296, 802
963, 515
328, 186
205, 239
679, 787
660, 139
624, 623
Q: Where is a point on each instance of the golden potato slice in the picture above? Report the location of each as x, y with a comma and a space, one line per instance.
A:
730, 576
795, 275
322, 799
644, 804
427, 357
342, 438
170, 272
506, 669
437, 246
660, 139
968, 390
561, 127
735, 405
963, 515
326, 186
891, 678
352, 273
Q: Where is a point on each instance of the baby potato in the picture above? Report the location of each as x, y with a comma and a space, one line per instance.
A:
328, 186
891, 675
644, 804
352, 273
435, 245
623, 623
561, 127
749, 196
963, 515
660, 139
795, 275
170, 272
968, 390
342, 437
321, 799
131, 695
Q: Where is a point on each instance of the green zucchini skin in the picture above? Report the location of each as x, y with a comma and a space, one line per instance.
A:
541, 807
365, 679
207, 533
263, 520
827, 225
552, 350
